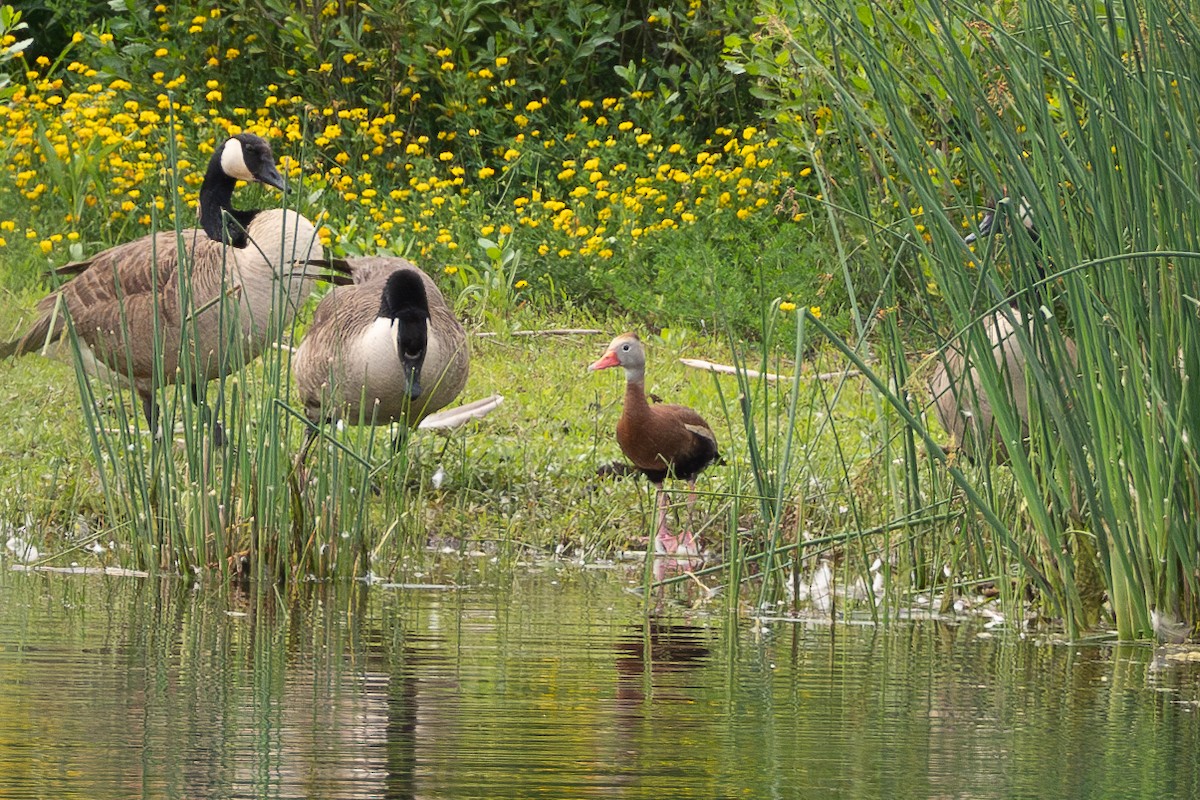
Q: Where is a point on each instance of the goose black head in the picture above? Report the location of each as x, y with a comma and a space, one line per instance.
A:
1028, 274
404, 303
244, 157
989, 225
248, 157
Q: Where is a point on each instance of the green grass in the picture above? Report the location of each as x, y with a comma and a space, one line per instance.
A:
523, 480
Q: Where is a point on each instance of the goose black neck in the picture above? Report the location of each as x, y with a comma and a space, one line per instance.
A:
216, 200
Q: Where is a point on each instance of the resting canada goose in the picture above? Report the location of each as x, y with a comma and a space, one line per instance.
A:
385, 349
128, 306
959, 398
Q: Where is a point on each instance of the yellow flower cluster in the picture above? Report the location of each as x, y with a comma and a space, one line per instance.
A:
89, 146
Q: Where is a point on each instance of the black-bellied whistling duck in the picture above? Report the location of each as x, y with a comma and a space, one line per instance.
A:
660, 440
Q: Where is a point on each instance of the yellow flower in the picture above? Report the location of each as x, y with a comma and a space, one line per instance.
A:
519, 285
450, 270
486, 172
787, 305
502, 61
815, 312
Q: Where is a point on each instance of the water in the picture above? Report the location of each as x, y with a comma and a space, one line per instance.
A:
555, 683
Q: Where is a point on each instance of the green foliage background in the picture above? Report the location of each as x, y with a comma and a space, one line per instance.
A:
431, 72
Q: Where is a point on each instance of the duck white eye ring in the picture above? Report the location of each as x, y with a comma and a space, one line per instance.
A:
625, 347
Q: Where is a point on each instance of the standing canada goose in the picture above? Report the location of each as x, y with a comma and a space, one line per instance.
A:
962, 405
137, 313
661, 440
960, 401
385, 349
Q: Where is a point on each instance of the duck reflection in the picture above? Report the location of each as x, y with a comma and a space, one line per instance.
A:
652, 656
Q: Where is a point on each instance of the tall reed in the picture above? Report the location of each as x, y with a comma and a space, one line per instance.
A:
1087, 113
817, 460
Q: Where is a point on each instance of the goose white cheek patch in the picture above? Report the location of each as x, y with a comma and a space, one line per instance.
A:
233, 161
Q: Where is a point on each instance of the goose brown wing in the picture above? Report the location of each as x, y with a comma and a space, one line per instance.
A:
369, 269
106, 286
126, 270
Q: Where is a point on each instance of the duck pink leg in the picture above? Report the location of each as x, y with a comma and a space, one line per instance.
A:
663, 540
666, 543
688, 545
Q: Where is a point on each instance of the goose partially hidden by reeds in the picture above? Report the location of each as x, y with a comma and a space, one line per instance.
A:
662, 440
960, 400
189, 305
385, 349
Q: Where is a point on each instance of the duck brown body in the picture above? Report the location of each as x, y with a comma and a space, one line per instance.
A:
664, 440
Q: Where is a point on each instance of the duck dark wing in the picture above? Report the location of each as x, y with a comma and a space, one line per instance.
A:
702, 453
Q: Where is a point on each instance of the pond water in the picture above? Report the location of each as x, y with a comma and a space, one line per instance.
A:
557, 682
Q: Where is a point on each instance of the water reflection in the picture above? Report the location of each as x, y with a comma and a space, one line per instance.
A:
556, 684
651, 656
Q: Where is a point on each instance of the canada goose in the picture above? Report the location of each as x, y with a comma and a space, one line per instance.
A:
137, 314
661, 440
960, 401
385, 349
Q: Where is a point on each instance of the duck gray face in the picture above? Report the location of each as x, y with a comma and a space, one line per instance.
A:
625, 351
